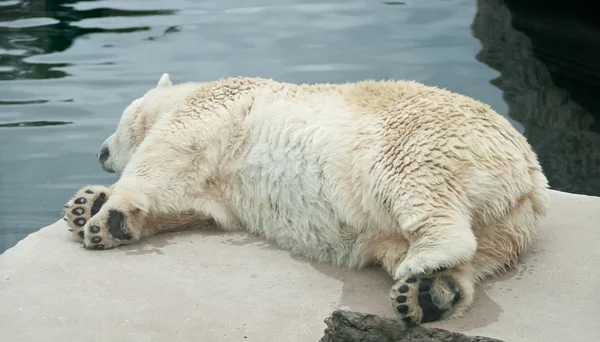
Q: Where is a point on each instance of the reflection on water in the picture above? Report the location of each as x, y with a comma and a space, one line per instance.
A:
34, 123
44, 27
549, 68
68, 68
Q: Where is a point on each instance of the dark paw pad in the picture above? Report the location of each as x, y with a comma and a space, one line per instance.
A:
447, 295
403, 309
79, 222
425, 299
80, 200
425, 284
116, 225
96, 239
98, 203
78, 211
431, 312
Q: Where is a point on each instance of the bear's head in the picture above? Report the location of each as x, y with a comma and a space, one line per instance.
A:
137, 119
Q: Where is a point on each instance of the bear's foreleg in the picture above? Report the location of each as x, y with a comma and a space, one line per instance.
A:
161, 186
88, 201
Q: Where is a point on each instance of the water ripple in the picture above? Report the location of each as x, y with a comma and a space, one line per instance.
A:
35, 124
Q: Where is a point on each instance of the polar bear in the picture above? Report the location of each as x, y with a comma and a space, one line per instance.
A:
434, 186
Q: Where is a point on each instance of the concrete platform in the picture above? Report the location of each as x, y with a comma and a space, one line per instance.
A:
212, 286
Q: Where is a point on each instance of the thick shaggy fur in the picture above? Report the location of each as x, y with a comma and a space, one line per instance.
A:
434, 186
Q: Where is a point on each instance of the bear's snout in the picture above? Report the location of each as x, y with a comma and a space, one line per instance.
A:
103, 157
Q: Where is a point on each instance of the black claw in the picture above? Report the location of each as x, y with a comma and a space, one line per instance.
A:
98, 203
96, 239
403, 289
410, 280
78, 211
401, 299
116, 222
65, 219
441, 269
79, 221
94, 229
89, 192
80, 200
81, 235
403, 309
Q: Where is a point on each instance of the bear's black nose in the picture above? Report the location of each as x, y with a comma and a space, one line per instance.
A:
103, 155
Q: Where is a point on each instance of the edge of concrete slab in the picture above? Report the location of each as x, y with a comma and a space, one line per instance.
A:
211, 285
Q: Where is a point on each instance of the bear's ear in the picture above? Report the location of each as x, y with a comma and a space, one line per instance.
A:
165, 81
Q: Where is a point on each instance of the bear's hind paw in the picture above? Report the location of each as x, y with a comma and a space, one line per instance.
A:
425, 299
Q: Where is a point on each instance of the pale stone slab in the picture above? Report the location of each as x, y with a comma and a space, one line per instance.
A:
554, 294
214, 286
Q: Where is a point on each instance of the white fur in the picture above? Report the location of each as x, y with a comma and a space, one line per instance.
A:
334, 173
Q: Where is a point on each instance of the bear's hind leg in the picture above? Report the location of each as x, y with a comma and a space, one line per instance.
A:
442, 295
438, 240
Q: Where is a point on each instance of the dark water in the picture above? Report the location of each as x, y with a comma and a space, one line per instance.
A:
68, 68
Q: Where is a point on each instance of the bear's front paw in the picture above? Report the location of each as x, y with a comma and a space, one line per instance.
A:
107, 230
84, 204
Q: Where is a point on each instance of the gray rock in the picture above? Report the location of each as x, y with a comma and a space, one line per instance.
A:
348, 326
